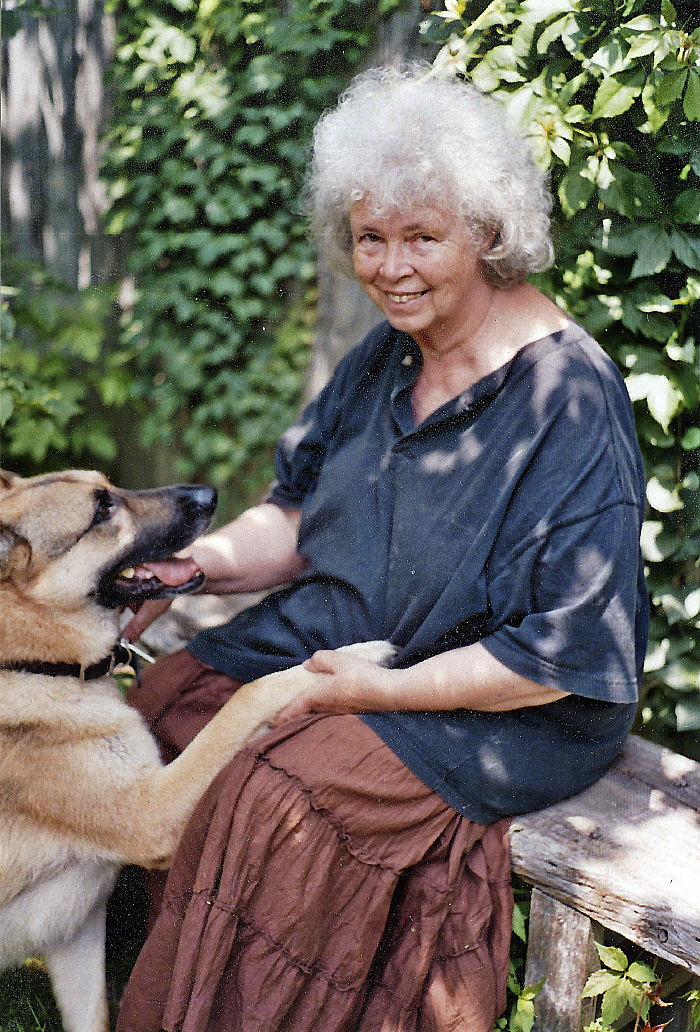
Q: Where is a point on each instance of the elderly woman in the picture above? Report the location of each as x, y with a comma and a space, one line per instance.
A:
467, 486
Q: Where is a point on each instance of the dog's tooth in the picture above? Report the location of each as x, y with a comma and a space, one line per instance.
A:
129, 572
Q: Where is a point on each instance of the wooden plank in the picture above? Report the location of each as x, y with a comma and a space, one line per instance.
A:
561, 950
626, 852
677, 776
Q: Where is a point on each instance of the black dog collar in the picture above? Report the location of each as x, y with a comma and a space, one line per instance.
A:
123, 653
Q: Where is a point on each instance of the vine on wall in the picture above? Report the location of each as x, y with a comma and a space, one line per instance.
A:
215, 104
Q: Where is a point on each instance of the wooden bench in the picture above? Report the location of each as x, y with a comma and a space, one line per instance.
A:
623, 855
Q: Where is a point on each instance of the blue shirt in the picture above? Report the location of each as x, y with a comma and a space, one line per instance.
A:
510, 516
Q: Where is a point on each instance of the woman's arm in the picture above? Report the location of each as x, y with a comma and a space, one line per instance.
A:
465, 678
257, 550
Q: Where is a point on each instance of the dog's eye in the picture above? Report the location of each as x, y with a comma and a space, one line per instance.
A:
104, 507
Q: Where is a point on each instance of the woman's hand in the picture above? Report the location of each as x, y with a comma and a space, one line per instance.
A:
463, 678
344, 683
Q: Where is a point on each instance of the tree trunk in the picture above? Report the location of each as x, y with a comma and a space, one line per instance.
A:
54, 103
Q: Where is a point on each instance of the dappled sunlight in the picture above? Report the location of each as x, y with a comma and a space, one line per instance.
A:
294, 435
468, 451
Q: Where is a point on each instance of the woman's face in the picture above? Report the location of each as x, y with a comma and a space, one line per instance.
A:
420, 267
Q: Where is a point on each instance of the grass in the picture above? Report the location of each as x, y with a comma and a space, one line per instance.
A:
26, 1003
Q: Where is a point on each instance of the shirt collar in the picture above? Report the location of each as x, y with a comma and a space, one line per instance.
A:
408, 359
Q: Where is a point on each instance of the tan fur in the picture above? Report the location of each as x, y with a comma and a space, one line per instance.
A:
82, 788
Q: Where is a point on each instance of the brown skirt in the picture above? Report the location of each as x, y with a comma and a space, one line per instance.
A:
320, 887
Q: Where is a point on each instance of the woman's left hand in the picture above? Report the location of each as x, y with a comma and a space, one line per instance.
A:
343, 683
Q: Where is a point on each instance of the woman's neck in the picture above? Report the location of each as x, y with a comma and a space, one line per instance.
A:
508, 321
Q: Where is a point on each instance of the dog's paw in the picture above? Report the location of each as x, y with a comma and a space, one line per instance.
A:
381, 652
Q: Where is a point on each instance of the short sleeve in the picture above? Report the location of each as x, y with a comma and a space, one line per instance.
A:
302, 448
298, 458
582, 629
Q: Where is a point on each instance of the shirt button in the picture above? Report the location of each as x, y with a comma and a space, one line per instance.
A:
407, 360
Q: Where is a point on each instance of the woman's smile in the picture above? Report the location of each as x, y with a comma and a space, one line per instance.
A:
404, 298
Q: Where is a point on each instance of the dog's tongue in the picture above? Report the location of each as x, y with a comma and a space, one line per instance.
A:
173, 572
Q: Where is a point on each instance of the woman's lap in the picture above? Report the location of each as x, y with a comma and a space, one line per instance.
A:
321, 885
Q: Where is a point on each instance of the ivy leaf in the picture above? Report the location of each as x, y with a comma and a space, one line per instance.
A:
641, 319
691, 439
563, 28
656, 544
691, 101
686, 248
686, 207
612, 98
641, 972
540, 10
612, 957
600, 982
575, 191
662, 498
641, 46
643, 23
614, 1002
610, 56
519, 923
654, 249
668, 12
669, 85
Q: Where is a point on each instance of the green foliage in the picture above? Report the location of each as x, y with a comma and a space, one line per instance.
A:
56, 377
520, 1011
609, 93
215, 102
11, 21
694, 997
627, 993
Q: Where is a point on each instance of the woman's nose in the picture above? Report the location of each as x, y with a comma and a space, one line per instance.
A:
395, 261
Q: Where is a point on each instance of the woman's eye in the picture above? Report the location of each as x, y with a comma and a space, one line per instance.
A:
104, 507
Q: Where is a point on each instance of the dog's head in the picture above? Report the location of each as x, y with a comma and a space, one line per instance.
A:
72, 540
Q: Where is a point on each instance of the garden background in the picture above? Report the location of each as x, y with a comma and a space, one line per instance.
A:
163, 315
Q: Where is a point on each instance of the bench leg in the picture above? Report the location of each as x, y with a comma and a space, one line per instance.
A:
561, 949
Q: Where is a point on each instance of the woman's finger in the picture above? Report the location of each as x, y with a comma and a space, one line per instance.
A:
143, 619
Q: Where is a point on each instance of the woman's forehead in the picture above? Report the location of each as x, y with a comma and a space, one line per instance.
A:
408, 216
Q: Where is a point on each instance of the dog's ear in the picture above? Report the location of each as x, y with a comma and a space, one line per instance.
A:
15, 552
8, 480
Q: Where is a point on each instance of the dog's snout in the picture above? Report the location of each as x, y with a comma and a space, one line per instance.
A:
196, 499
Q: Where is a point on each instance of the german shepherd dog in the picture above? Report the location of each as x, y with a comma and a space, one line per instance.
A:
82, 787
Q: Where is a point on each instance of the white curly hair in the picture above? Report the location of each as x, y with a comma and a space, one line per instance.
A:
401, 136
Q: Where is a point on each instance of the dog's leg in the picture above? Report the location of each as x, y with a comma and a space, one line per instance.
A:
167, 797
77, 972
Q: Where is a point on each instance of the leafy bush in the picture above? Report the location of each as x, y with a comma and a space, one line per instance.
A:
609, 93
57, 379
215, 102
